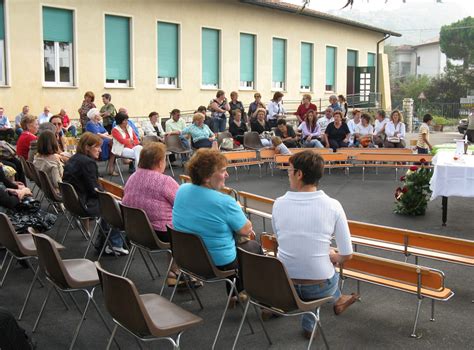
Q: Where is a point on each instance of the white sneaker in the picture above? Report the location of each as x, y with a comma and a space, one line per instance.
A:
116, 250
120, 250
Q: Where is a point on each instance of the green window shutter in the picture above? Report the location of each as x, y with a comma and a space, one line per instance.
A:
57, 25
2, 21
306, 64
117, 47
167, 50
370, 60
279, 60
247, 57
210, 56
351, 58
330, 66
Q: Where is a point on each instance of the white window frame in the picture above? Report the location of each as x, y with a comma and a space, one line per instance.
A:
278, 86
3, 79
57, 73
219, 82
117, 83
249, 85
177, 83
246, 85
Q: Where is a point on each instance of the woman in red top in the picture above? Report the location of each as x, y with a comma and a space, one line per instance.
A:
304, 107
29, 124
67, 126
125, 142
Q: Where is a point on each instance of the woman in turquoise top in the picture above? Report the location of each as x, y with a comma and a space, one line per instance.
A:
200, 133
223, 218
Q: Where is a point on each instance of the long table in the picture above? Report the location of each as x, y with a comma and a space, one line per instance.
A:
452, 177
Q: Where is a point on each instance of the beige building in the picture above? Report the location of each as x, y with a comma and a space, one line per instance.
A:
164, 54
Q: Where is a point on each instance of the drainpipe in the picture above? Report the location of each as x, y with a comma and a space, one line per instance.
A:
377, 69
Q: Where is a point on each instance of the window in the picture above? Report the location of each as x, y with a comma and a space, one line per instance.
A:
405, 68
117, 51
371, 59
330, 68
247, 61
306, 66
352, 57
279, 64
58, 47
168, 61
210, 58
418, 60
3, 73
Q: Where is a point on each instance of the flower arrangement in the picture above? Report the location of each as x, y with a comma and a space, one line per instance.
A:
412, 197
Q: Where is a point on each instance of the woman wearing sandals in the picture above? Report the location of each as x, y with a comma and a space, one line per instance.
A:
154, 192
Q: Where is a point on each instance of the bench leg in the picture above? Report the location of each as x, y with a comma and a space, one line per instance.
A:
432, 319
363, 173
413, 334
358, 288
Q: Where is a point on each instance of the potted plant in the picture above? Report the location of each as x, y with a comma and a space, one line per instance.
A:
439, 122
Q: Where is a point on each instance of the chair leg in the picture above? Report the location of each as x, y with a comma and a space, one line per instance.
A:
67, 230
232, 285
128, 263
241, 324
28, 294
171, 167
259, 316
432, 319
91, 239
153, 263
42, 308
119, 170
4, 260
146, 264
193, 291
78, 328
176, 285
413, 334
102, 316
166, 275
112, 336
316, 321
322, 334
7, 269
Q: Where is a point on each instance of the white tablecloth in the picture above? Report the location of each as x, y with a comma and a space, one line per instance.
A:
452, 177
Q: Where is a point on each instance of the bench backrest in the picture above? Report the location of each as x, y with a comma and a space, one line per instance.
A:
390, 157
226, 190
240, 156
185, 179
111, 187
267, 154
396, 271
328, 157
415, 239
256, 204
315, 150
353, 151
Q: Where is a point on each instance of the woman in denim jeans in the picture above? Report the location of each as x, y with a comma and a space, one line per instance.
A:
219, 106
304, 221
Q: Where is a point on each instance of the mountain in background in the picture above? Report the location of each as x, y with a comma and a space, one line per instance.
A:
416, 22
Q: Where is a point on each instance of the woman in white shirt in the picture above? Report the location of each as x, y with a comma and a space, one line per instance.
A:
275, 109
352, 124
153, 126
395, 131
364, 132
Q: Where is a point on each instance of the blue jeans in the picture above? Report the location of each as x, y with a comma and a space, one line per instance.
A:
18, 131
314, 143
422, 150
72, 129
308, 292
218, 124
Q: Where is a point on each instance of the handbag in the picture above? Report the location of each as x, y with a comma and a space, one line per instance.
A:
28, 214
227, 143
393, 139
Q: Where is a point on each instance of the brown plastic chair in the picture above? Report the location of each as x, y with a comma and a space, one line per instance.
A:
193, 260
77, 211
111, 213
54, 198
223, 135
268, 286
19, 247
143, 238
175, 146
147, 317
35, 176
69, 276
252, 140
27, 172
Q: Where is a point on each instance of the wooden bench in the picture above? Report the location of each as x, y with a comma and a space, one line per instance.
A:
331, 161
354, 151
421, 281
256, 205
115, 189
413, 243
243, 159
315, 150
226, 190
390, 160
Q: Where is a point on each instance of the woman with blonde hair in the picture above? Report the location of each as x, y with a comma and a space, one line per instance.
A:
201, 135
395, 131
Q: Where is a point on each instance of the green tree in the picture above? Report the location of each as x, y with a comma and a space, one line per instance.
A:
450, 86
457, 41
409, 87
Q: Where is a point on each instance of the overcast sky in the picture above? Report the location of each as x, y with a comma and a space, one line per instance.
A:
376, 5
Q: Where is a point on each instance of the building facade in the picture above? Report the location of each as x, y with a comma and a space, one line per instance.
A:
164, 54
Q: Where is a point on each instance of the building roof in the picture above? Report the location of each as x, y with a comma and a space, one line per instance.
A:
291, 8
433, 41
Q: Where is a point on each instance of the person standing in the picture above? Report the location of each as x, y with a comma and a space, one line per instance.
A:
218, 107
470, 126
234, 105
275, 109
423, 144
87, 104
107, 112
304, 246
254, 106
